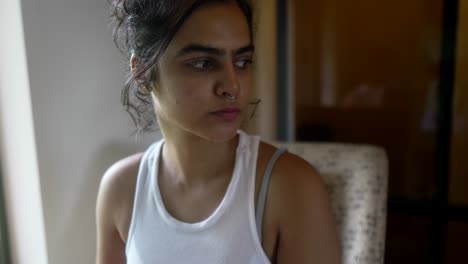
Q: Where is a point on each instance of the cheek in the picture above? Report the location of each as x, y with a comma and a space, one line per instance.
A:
186, 83
188, 95
246, 83
178, 87
192, 89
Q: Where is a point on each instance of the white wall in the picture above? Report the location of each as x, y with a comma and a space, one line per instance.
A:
76, 75
19, 173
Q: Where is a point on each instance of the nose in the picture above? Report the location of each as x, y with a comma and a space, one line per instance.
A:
228, 86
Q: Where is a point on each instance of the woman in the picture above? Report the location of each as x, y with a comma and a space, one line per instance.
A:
195, 196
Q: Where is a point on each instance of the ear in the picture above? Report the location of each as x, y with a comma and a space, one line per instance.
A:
135, 64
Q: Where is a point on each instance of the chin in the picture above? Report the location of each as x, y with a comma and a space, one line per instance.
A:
219, 133
223, 135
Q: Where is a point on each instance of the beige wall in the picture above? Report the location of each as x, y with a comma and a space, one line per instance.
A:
19, 171
265, 85
76, 75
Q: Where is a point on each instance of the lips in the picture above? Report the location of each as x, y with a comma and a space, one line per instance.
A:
228, 113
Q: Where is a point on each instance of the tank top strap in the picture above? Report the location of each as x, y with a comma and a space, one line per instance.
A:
264, 191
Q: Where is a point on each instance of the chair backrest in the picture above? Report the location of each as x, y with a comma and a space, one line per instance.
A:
356, 177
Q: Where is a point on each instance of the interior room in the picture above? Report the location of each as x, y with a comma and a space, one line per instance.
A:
384, 83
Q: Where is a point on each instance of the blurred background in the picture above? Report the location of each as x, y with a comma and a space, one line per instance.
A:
391, 73
388, 73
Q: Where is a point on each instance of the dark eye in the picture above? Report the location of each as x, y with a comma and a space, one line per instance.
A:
202, 64
242, 64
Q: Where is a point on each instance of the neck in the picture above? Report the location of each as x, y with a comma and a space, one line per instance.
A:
190, 160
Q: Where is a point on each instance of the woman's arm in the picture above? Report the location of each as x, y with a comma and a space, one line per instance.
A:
110, 247
307, 229
113, 210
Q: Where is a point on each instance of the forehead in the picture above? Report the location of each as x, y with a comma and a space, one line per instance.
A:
220, 25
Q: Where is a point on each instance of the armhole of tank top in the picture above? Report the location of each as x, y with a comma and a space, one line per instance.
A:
138, 185
252, 222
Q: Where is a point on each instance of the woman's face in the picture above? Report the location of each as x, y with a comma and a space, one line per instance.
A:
207, 61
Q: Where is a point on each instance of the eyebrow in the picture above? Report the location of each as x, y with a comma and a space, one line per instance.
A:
193, 48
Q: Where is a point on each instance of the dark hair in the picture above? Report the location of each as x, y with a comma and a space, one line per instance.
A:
145, 28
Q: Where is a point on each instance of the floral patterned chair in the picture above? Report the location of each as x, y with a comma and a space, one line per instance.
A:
356, 179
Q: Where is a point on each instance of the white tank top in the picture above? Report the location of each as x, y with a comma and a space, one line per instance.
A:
228, 235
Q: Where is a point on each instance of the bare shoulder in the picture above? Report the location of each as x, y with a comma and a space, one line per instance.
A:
300, 204
113, 209
294, 182
120, 177
121, 173
293, 173
299, 186
116, 192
